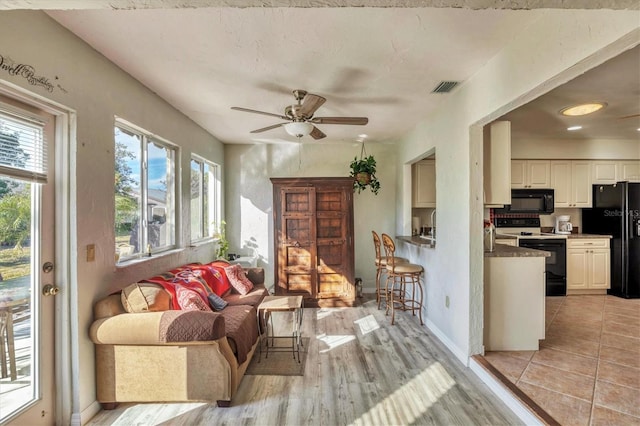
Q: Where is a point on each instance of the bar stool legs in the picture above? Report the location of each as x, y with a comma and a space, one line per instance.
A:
401, 276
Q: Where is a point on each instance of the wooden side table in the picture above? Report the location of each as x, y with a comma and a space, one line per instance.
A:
270, 305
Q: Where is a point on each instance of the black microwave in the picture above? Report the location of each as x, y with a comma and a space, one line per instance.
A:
534, 201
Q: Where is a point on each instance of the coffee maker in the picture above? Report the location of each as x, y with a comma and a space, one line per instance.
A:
563, 224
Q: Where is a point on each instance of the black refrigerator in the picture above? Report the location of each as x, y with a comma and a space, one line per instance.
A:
616, 212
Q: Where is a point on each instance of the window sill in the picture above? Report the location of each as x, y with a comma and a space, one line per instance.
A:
145, 258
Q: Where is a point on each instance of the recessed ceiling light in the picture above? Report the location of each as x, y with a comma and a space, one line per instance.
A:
572, 128
583, 109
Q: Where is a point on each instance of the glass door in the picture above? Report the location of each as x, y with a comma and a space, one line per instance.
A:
27, 386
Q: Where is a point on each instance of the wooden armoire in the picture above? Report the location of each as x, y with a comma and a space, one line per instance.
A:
313, 225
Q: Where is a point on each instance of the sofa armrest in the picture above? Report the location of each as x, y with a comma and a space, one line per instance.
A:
153, 328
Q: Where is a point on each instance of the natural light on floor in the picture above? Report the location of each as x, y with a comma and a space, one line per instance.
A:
367, 324
171, 411
334, 341
410, 401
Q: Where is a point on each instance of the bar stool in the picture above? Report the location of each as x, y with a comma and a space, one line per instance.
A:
381, 266
400, 276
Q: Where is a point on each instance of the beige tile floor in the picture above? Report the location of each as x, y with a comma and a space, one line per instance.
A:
587, 371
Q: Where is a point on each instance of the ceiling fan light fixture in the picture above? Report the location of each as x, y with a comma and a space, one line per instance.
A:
583, 109
298, 129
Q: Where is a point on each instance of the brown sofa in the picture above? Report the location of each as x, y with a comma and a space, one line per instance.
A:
175, 355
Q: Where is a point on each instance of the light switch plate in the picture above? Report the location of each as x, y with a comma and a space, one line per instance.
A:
91, 252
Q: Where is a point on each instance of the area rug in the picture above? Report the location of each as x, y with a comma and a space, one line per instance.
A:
279, 363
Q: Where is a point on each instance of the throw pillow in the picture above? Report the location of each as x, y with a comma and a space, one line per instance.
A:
238, 279
145, 297
217, 302
213, 273
189, 300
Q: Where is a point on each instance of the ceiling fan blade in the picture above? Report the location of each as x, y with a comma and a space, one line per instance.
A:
340, 120
264, 129
310, 104
317, 133
260, 112
629, 116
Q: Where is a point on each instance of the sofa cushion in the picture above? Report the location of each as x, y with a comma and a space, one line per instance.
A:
145, 297
241, 329
189, 300
238, 279
253, 298
255, 275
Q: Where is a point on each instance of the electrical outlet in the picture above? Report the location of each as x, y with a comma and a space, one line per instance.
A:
91, 252
446, 301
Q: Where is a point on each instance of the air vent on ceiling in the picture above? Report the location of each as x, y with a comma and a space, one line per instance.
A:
445, 87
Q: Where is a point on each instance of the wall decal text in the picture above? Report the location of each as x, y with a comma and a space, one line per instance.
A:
25, 71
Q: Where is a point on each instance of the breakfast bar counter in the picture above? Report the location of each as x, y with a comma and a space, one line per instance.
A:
502, 250
418, 241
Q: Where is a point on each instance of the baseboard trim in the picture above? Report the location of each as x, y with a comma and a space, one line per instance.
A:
457, 352
88, 413
517, 401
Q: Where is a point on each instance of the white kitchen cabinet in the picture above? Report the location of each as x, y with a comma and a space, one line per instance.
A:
611, 171
571, 181
424, 184
588, 266
530, 174
604, 172
629, 170
497, 163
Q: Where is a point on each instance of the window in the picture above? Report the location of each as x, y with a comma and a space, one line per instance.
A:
204, 198
145, 194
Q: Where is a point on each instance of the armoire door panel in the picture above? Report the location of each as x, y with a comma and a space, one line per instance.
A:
299, 284
331, 285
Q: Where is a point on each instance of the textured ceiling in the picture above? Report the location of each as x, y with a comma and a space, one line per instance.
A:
379, 61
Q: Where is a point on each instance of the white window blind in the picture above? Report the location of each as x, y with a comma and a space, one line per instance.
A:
23, 148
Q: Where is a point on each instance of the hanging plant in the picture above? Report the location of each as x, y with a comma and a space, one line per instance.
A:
364, 172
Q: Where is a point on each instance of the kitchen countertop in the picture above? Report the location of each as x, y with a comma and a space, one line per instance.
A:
588, 236
502, 250
572, 236
417, 241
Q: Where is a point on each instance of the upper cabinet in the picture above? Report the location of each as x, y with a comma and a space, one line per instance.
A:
424, 184
629, 170
571, 180
497, 163
530, 174
612, 171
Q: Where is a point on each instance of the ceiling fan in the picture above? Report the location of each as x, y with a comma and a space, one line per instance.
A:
301, 121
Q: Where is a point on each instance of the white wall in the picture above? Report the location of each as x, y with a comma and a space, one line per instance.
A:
559, 46
98, 90
249, 195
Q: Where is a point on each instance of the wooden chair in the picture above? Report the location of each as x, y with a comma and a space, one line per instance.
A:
401, 276
381, 267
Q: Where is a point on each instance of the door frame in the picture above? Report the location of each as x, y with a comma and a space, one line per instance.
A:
66, 400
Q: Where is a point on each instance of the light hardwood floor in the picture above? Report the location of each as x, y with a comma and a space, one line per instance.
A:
360, 370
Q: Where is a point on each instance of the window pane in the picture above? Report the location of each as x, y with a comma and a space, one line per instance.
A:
196, 200
208, 201
128, 160
160, 195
